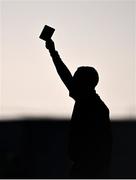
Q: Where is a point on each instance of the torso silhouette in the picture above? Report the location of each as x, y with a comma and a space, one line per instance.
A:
90, 128
90, 139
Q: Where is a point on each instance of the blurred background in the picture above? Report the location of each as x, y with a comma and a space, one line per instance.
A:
35, 107
94, 33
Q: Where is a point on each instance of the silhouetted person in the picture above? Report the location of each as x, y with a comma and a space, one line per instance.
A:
90, 139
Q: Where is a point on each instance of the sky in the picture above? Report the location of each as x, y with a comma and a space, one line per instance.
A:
96, 33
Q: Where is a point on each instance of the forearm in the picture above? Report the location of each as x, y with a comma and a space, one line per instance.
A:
61, 68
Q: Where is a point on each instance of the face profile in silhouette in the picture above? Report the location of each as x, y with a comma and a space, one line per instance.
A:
84, 80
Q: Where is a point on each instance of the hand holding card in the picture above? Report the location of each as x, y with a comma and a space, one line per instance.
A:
50, 45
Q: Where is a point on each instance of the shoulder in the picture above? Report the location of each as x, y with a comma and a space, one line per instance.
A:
101, 103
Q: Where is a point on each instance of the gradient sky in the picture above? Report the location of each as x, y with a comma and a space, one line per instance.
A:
94, 33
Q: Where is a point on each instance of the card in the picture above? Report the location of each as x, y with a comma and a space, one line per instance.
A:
46, 33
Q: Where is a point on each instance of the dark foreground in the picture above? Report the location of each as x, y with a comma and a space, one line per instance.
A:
36, 148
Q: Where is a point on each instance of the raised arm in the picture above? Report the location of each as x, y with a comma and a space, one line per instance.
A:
61, 68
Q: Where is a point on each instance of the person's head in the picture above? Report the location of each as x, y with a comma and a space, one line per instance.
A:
85, 78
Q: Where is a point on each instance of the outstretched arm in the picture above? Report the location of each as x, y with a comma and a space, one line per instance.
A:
61, 68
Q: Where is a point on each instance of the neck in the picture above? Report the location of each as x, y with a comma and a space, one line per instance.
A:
86, 93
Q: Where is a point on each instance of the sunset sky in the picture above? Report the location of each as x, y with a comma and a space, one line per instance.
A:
93, 33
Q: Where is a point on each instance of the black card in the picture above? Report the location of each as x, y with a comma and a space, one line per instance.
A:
46, 33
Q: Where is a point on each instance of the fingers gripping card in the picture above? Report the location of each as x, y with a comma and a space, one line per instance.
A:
46, 33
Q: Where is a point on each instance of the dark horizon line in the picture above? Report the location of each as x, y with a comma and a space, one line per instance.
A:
55, 118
